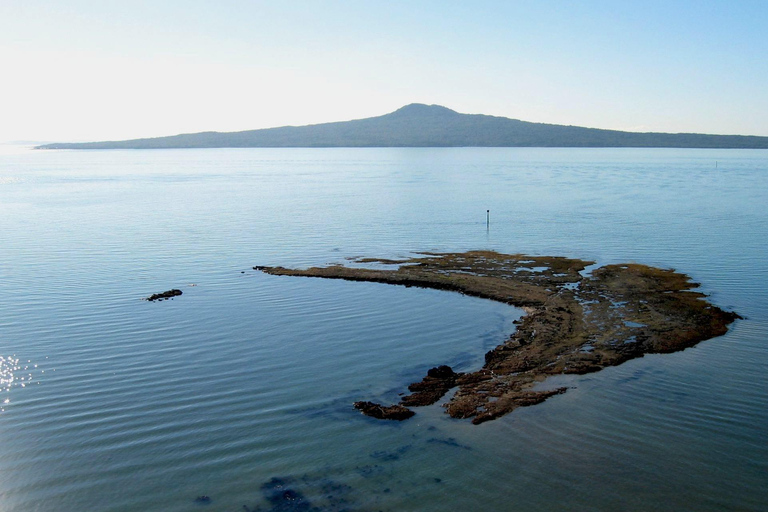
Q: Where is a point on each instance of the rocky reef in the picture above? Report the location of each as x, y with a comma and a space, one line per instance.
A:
576, 322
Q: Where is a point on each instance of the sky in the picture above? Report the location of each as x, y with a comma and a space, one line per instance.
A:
78, 70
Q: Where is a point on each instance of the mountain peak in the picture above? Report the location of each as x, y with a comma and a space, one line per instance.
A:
421, 110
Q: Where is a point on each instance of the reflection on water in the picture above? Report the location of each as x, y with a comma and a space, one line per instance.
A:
240, 390
15, 373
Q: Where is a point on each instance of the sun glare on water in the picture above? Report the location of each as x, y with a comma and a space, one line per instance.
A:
14, 373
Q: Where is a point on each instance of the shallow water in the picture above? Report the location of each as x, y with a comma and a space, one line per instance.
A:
131, 406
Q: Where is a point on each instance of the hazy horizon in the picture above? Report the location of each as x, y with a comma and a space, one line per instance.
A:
89, 71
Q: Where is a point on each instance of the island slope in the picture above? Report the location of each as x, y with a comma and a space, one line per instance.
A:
419, 125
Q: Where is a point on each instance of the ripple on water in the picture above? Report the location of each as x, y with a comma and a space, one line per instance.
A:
246, 378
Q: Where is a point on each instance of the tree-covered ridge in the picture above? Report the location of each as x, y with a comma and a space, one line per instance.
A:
419, 125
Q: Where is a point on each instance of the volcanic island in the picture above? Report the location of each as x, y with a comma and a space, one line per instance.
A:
576, 322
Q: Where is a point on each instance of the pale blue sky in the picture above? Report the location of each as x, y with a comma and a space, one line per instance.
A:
93, 70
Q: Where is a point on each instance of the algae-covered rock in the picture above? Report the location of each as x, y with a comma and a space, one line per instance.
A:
574, 323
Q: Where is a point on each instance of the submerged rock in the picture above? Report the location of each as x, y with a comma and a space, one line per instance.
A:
281, 498
574, 322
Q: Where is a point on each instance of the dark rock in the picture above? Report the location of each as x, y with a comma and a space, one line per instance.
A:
441, 372
164, 295
283, 499
450, 441
378, 411
433, 387
273, 484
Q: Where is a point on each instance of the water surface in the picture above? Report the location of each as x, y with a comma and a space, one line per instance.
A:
127, 405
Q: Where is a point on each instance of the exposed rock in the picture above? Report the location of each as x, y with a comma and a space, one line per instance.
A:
432, 388
164, 295
378, 411
574, 323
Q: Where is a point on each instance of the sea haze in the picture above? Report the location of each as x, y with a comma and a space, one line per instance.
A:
243, 385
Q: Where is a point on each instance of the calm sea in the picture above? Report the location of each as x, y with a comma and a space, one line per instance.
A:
241, 389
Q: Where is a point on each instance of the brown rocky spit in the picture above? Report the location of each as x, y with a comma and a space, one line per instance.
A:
576, 322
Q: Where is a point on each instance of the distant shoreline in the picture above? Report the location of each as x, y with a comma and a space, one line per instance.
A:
433, 126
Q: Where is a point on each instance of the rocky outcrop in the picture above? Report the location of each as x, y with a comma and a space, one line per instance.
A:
432, 388
164, 295
575, 323
378, 411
